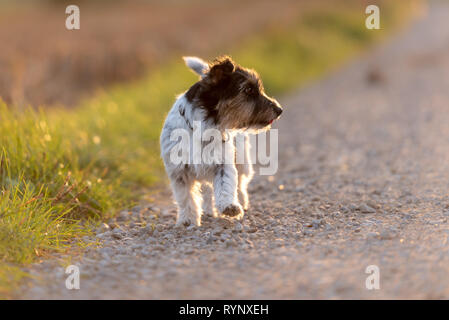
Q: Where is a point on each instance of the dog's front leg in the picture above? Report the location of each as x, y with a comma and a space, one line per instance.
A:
225, 190
244, 168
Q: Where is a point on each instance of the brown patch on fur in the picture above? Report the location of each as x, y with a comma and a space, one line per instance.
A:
233, 97
232, 211
235, 113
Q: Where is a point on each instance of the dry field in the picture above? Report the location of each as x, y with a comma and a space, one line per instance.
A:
45, 64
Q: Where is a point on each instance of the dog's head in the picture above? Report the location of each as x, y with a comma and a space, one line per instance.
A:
232, 96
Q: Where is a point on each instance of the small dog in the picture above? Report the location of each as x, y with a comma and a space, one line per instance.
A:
230, 99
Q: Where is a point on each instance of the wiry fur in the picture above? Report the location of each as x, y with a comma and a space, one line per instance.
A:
221, 100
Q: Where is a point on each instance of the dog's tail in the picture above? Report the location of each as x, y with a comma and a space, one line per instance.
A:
198, 65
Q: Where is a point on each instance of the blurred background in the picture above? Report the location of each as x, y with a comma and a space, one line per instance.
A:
45, 64
42, 63
81, 110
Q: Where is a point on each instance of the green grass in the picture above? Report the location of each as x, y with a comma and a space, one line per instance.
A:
63, 171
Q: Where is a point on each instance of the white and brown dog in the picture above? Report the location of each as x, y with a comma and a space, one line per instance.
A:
230, 100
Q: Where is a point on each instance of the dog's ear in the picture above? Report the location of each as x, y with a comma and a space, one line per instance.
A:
220, 69
199, 66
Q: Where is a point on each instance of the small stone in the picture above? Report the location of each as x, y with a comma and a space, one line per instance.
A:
102, 228
249, 243
146, 230
150, 240
102, 235
106, 250
224, 237
279, 242
317, 215
387, 234
230, 243
364, 208
238, 227
252, 230
137, 209
117, 233
308, 232
168, 236
123, 216
316, 223
166, 213
158, 247
372, 204
210, 239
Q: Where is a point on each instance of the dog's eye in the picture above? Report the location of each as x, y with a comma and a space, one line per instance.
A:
249, 90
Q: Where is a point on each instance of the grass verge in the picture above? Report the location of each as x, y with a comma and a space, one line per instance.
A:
62, 171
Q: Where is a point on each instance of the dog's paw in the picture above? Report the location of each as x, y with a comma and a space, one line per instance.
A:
187, 221
211, 213
233, 210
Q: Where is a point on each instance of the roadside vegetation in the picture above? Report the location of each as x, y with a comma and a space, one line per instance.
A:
62, 171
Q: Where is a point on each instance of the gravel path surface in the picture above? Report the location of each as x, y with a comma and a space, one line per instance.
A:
363, 180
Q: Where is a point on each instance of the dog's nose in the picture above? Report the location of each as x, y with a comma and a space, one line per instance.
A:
276, 107
277, 110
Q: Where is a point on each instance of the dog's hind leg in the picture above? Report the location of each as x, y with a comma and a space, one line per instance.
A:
208, 200
187, 194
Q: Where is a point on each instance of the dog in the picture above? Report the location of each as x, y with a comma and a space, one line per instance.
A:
231, 100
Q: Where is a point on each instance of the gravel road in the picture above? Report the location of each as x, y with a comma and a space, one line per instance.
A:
363, 180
